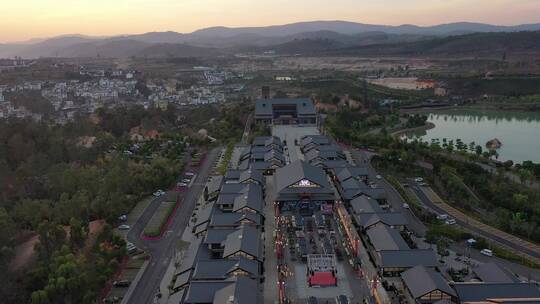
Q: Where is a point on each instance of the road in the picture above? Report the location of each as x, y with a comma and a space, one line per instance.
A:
417, 226
393, 197
486, 234
163, 250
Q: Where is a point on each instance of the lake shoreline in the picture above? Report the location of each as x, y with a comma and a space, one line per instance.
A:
427, 126
518, 130
530, 108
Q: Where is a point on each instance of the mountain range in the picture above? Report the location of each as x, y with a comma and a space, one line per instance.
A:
315, 36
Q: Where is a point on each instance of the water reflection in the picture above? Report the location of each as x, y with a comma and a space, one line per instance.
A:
518, 131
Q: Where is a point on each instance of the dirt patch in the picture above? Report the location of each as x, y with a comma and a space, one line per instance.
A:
94, 229
25, 255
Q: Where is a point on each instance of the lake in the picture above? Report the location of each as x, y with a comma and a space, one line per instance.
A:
519, 132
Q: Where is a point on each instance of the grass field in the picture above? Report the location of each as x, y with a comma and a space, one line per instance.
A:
154, 226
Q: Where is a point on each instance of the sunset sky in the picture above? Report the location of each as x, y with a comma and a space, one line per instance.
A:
24, 19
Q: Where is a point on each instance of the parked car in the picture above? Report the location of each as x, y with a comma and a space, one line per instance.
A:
486, 252
378, 176
442, 217
181, 185
123, 283
190, 174
122, 218
186, 180
159, 193
450, 221
124, 227
418, 179
405, 205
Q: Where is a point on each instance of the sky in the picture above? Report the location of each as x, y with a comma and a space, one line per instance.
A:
25, 19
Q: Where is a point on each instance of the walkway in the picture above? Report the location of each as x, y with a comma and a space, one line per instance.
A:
270, 291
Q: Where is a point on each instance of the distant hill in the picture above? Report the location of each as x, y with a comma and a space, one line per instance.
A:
302, 37
349, 28
477, 44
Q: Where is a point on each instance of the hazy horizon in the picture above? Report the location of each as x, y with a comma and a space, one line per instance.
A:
30, 19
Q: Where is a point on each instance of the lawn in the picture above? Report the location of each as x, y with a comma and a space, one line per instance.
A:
159, 219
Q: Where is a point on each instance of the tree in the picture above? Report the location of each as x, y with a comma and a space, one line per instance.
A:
524, 175
516, 222
51, 237
520, 200
76, 235
7, 227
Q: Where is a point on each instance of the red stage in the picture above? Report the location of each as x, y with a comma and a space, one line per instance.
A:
322, 279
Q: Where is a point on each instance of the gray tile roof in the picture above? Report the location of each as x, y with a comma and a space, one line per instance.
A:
367, 220
220, 269
254, 152
365, 204
348, 172
375, 193
421, 280
242, 291
353, 185
274, 156
311, 141
248, 195
330, 164
262, 166
494, 273
203, 291
265, 141
294, 173
408, 258
475, 292
385, 238
246, 239
249, 174
329, 155
237, 188
221, 219
205, 214
304, 106
252, 200
217, 235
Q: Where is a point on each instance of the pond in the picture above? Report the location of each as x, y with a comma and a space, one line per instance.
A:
519, 132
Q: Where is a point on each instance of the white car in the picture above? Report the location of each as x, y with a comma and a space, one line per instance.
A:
442, 217
159, 193
450, 221
123, 227
405, 205
378, 176
418, 179
486, 252
190, 174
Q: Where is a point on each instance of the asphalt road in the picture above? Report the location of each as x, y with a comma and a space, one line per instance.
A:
427, 202
393, 197
163, 250
418, 226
